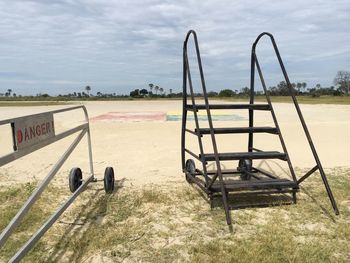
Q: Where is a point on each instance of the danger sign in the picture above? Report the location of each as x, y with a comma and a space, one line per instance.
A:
31, 130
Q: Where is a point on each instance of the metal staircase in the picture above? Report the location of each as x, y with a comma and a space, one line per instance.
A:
250, 179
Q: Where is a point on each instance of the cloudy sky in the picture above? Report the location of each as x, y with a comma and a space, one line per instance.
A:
52, 46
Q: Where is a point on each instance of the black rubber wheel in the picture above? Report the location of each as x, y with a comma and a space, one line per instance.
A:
191, 169
75, 179
108, 180
244, 166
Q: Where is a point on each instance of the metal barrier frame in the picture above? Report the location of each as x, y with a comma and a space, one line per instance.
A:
83, 129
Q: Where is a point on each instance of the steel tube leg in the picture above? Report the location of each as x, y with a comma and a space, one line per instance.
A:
36, 194
91, 163
329, 191
31, 242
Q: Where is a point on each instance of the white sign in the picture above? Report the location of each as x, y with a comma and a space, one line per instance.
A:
31, 130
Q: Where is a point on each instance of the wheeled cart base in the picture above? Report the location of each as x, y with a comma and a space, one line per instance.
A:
31, 133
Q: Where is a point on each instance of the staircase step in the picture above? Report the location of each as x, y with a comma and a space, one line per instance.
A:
239, 130
230, 107
235, 185
246, 155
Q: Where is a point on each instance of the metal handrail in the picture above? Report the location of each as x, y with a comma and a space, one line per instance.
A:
300, 115
212, 135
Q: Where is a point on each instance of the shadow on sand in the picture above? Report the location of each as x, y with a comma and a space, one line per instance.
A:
82, 224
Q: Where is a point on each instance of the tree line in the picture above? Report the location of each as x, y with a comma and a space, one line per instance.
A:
341, 88
341, 82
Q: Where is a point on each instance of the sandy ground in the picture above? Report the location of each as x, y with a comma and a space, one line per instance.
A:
145, 152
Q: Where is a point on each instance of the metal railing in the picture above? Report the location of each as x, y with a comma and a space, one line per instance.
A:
26, 139
254, 62
187, 75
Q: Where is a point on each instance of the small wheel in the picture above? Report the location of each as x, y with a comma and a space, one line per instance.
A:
245, 167
75, 179
191, 169
108, 180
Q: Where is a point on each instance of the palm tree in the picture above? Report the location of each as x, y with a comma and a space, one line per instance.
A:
299, 85
156, 88
151, 86
9, 91
161, 90
304, 85
171, 91
88, 88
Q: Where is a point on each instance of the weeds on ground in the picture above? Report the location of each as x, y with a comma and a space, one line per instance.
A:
174, 223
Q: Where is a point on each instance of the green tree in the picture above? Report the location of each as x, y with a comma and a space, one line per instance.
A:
156, 89
88, 88
135, 93
226, 93
342, 79
299, 85
151, 86
8, 93
143, 92
212, 94
303, 85
245, 91
282, 88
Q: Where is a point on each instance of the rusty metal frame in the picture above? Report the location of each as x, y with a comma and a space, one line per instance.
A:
210, 177
300, 115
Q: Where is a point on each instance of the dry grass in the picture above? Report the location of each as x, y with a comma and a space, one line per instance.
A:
32, 103
174, 223
340, 100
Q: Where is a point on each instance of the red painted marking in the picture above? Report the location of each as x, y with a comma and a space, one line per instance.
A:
131, 116
19, 136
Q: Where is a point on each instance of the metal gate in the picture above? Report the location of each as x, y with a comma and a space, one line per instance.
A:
31, 133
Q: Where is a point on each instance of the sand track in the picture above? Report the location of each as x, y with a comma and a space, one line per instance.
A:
149, 151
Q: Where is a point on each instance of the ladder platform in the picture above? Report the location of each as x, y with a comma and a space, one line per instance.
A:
271, 130
229, 107
263, 184
245, 155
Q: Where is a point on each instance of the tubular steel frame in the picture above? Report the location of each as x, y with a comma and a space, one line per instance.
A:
83, 129
300, 115
211, 177
186, 74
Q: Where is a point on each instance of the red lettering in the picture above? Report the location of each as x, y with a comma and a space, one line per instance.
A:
48, 130
38, 131
32, 132
19, 136
43, 131
26, 134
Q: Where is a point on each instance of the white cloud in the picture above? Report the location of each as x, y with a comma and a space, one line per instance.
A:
56, 46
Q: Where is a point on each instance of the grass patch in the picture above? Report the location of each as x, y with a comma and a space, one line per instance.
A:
32, 103
173, 222
11, 200
341, 100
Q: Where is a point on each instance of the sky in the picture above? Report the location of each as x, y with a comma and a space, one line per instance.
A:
57, 47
